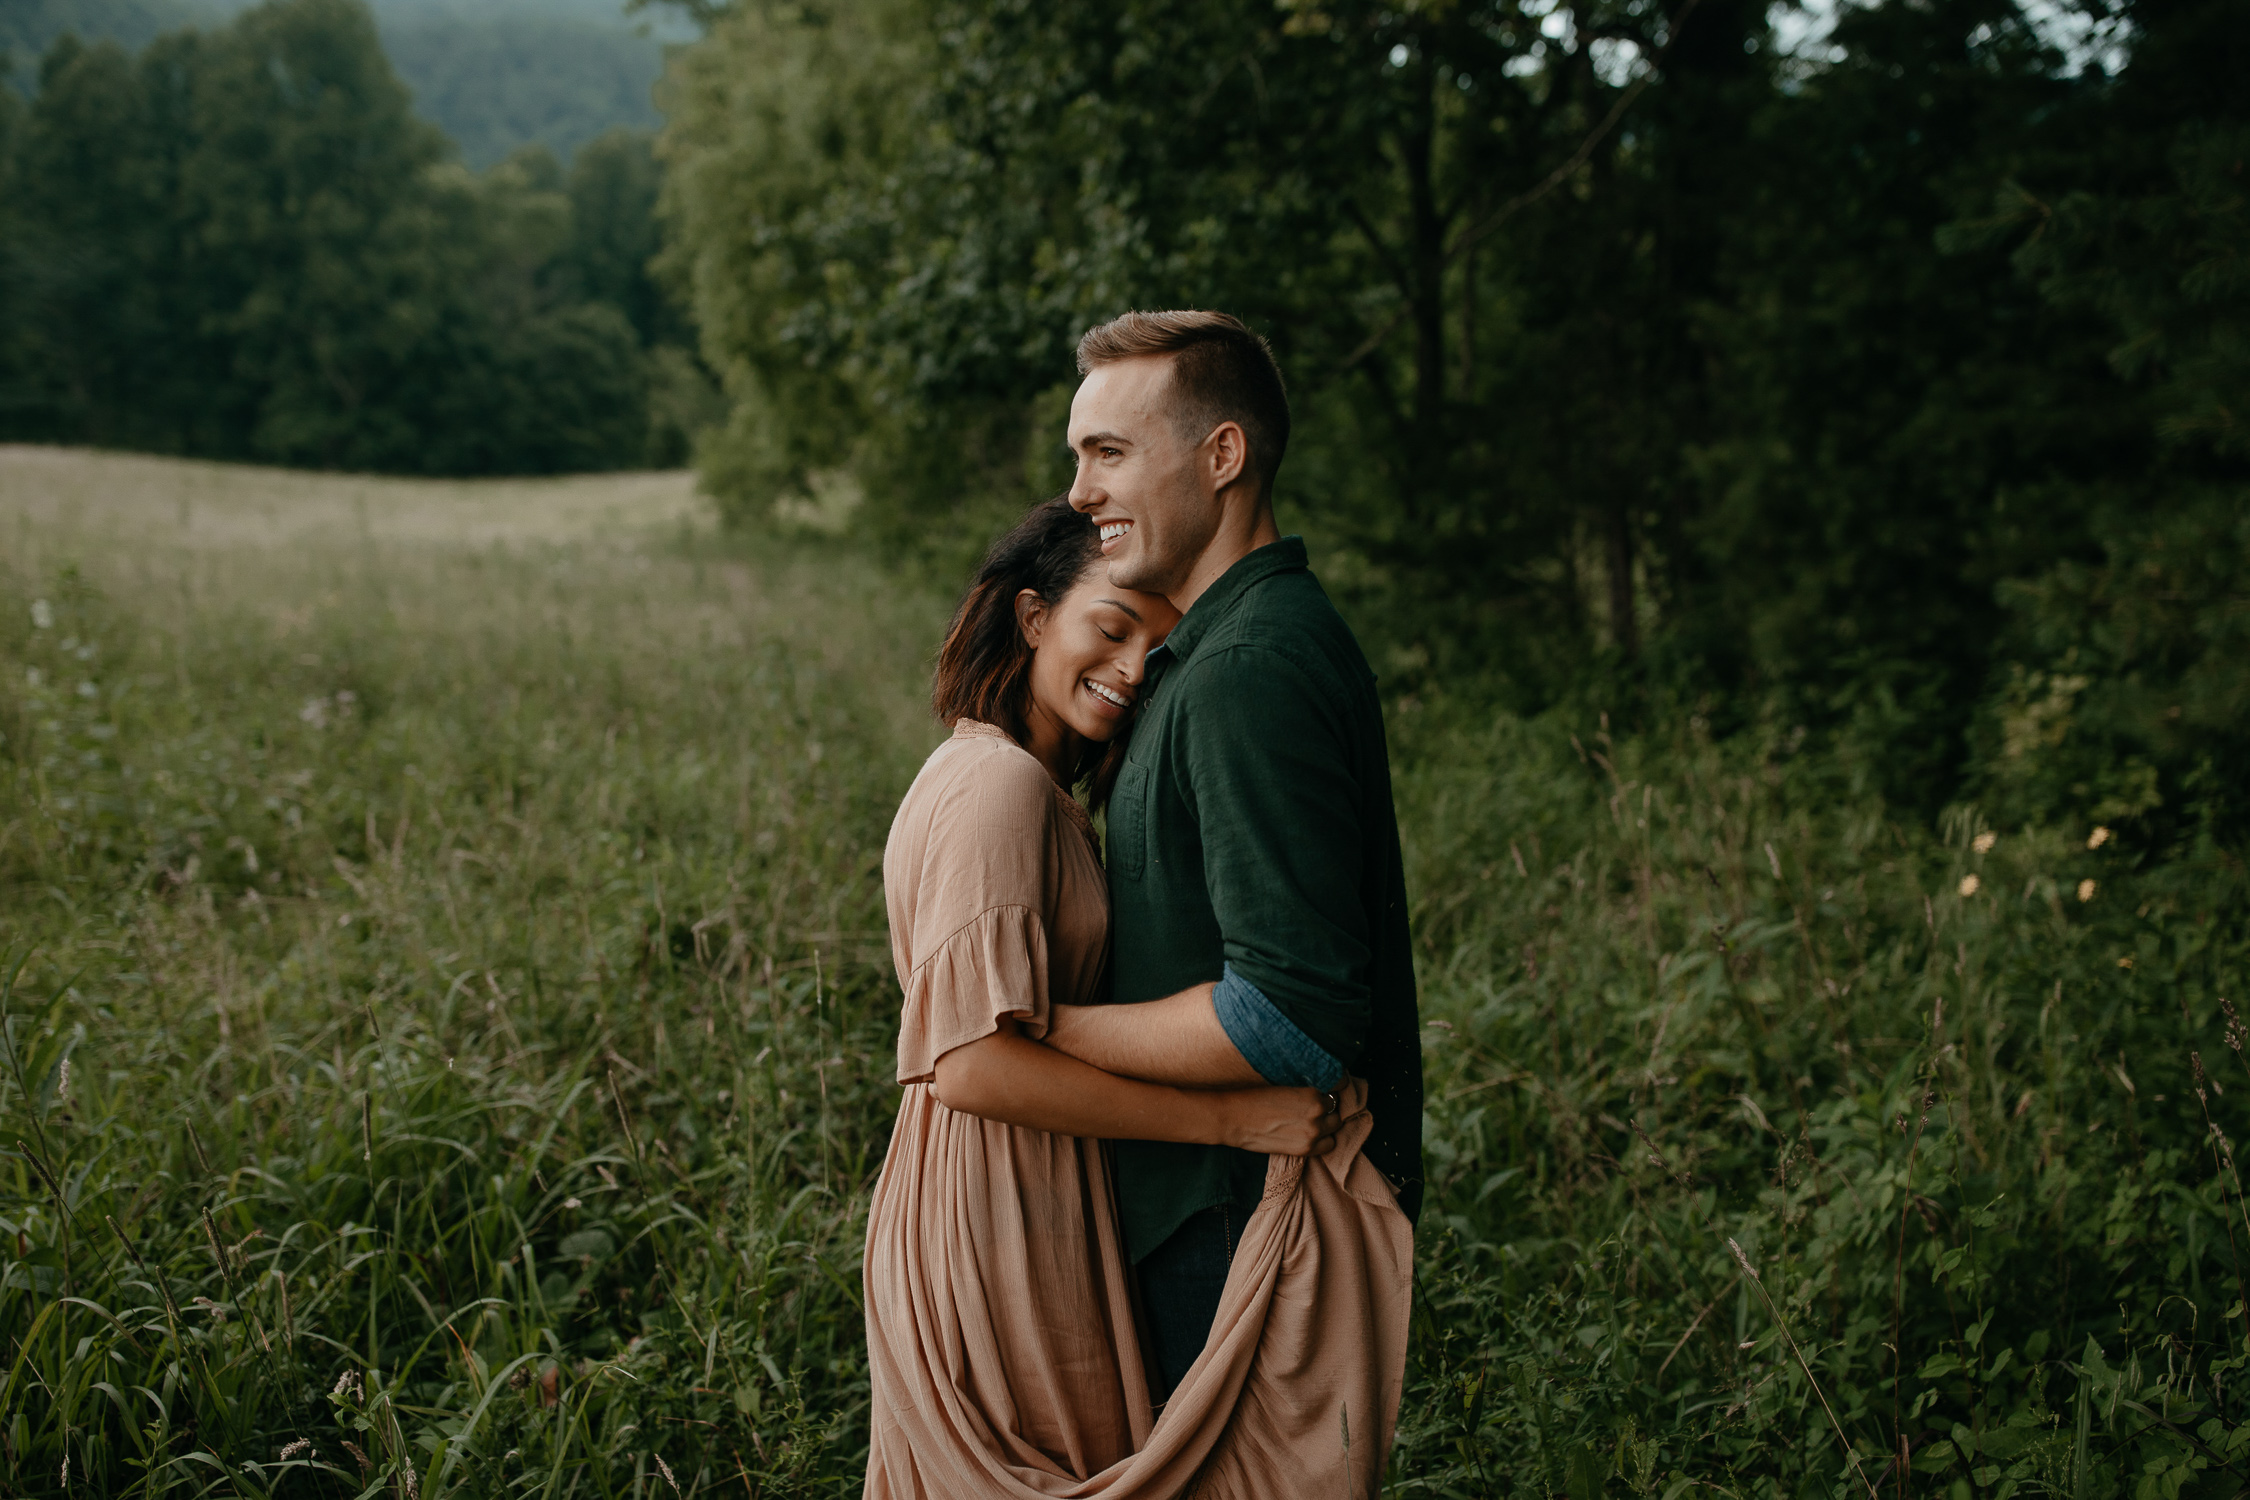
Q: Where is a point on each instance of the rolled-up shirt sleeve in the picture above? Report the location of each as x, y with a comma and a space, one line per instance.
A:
1268, 1040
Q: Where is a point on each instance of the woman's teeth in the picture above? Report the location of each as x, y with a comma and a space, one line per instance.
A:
1109, 695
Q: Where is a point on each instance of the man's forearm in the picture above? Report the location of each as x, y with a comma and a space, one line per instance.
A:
1176, 1040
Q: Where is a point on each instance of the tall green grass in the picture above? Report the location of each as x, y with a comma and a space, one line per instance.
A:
449, 1042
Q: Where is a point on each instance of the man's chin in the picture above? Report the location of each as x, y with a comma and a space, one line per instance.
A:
1134, 573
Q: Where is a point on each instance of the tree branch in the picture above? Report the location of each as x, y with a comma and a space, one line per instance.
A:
1470, 236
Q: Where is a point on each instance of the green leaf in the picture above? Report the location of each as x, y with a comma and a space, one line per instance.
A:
593, 1242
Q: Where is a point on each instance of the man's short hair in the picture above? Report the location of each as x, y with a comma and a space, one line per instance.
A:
1221, 372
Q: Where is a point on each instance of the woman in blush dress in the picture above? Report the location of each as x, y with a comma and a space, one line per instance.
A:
1001, 1336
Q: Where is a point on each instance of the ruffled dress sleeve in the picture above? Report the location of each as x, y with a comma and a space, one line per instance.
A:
977, 928
996, 966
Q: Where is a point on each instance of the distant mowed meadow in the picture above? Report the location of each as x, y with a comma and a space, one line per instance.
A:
448, 1025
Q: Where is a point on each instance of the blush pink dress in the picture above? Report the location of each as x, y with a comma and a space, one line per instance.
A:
1000, 1330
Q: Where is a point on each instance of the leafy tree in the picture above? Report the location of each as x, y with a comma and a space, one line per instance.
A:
2127, 686
786, 127
614, 235
319, 254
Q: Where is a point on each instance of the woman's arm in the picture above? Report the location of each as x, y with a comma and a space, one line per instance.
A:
1010, 1078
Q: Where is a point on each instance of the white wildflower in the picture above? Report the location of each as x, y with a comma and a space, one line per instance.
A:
2086, 890
1970, 885
2097, 838
1983, 842
43, 618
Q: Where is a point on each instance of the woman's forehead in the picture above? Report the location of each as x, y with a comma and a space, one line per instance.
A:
1094, 588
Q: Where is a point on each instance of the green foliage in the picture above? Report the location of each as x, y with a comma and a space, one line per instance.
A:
243, 243
785, 123
1946, 1099
29, 27
1635, 356
490, 940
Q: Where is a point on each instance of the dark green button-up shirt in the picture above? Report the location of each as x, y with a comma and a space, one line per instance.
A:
1251, 827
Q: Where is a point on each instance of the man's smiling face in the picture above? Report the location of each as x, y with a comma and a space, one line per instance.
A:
1139, 476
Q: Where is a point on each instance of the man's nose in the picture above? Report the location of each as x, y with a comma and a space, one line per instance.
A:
1083, 497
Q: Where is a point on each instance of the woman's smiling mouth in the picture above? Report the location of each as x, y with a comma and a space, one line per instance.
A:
1112, 701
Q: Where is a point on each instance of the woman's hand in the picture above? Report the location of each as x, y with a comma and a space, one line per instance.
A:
1280, 1121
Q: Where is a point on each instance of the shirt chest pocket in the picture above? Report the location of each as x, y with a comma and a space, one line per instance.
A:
1128, 822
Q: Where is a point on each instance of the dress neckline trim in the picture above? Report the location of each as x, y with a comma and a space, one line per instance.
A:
977, 729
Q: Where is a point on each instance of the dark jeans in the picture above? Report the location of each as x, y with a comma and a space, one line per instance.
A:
1181, 1280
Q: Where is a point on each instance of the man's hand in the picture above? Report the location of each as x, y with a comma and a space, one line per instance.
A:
1281, 1122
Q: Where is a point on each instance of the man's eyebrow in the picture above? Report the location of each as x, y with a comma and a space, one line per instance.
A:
1091, 438
1121, 604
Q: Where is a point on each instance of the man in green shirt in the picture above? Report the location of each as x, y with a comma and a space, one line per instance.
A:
1259, 905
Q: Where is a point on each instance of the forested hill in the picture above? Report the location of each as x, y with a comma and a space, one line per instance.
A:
493, 74
242, 241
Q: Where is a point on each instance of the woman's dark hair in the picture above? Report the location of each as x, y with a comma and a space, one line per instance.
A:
984, 667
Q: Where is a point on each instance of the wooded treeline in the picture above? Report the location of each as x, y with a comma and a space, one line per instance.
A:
1875, 386
493, 74
243, 243
1883, 392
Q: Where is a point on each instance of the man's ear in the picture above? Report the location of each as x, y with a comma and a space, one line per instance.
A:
1227, 451
1031, 616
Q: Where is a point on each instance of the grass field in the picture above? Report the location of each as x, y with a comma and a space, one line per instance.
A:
451, 1043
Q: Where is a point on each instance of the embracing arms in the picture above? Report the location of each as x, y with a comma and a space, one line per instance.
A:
1177, 1040
1010, 1078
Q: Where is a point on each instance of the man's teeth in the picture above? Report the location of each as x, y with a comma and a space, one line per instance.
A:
1112, 530
1109, 694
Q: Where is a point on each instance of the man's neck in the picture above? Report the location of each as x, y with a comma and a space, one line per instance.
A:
1235, 540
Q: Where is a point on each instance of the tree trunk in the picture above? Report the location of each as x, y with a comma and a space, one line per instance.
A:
1624, 629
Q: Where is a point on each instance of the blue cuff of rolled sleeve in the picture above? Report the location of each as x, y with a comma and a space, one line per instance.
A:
1268, 1040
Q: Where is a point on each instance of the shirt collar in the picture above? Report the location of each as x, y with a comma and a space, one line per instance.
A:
1220, 599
